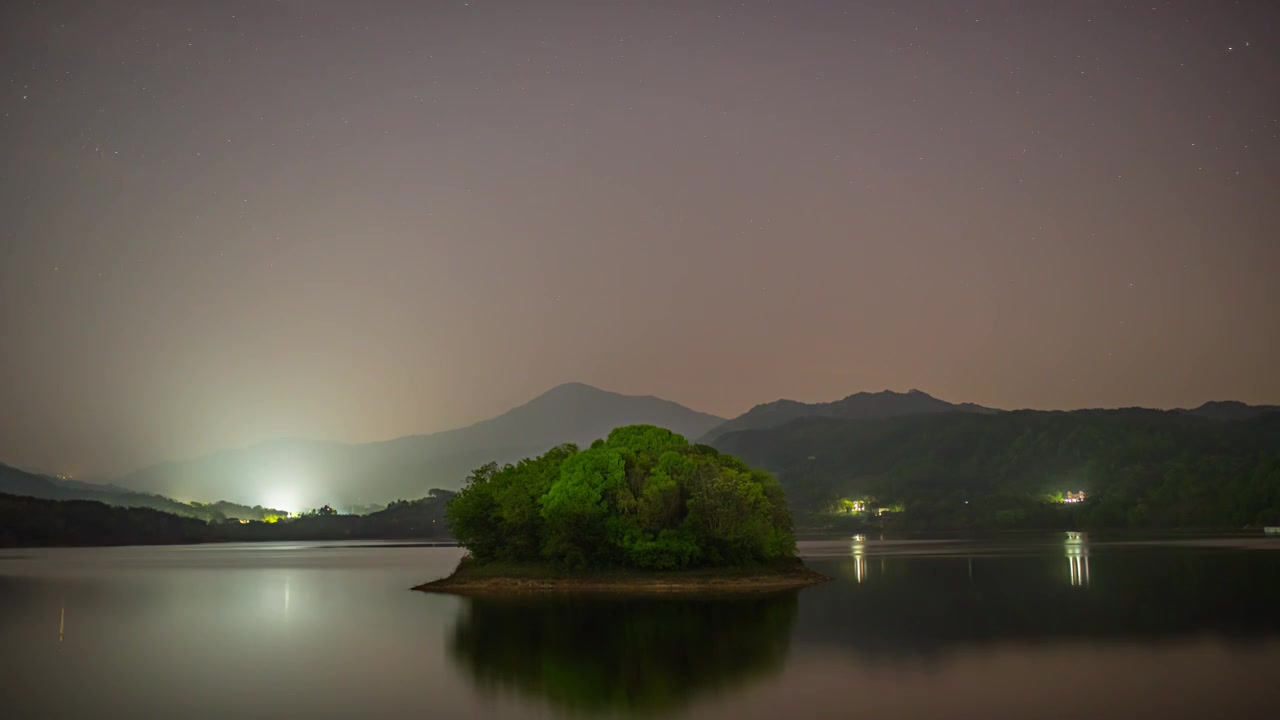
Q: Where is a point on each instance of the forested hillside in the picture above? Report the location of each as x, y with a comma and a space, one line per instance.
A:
1138, 468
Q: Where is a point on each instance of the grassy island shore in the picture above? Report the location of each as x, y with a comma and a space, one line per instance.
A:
511, 578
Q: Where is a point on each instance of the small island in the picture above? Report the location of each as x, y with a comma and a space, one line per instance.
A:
642, 511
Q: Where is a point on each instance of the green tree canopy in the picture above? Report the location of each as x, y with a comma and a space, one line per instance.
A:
642, 498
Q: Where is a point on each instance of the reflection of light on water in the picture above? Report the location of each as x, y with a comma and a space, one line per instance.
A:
859, 562
1078, 558
286, 594
62, 619
1079, 568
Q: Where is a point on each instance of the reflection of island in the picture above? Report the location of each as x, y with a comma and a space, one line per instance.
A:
623, 654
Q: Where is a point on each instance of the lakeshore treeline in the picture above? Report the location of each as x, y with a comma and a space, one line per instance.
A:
34, 522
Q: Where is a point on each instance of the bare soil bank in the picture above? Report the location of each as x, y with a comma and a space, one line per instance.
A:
498, 579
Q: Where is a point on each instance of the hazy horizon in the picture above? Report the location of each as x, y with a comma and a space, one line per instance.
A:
230, 222
108, 476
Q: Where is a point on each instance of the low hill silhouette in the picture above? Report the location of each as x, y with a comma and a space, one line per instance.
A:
859, 406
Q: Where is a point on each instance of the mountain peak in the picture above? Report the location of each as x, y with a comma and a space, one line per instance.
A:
574, 388
1222, 404
858, 406
578, 406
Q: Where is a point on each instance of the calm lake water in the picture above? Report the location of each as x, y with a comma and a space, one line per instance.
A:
1042, 627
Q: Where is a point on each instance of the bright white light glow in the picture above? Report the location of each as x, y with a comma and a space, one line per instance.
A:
859, 560
282, 498
284, 488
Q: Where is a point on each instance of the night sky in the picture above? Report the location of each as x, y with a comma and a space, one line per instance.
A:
224, 222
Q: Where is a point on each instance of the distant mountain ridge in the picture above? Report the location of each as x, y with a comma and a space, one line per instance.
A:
1230, 410
859, 406
296, 473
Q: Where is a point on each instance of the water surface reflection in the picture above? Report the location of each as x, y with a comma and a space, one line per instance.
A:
622, 654
895, 598
1025, 628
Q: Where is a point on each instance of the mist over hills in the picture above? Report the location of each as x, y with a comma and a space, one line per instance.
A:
297, 473
14, 481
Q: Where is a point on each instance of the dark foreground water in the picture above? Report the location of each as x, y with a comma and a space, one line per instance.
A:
1046, 627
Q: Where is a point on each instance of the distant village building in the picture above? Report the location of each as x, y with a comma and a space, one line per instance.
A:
1074, 497
852, 506
849, 506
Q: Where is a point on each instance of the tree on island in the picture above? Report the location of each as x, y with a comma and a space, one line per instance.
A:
642, 498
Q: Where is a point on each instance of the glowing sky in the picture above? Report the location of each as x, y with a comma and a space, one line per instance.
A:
230, 221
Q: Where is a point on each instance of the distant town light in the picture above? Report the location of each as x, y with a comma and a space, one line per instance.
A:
851, 507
